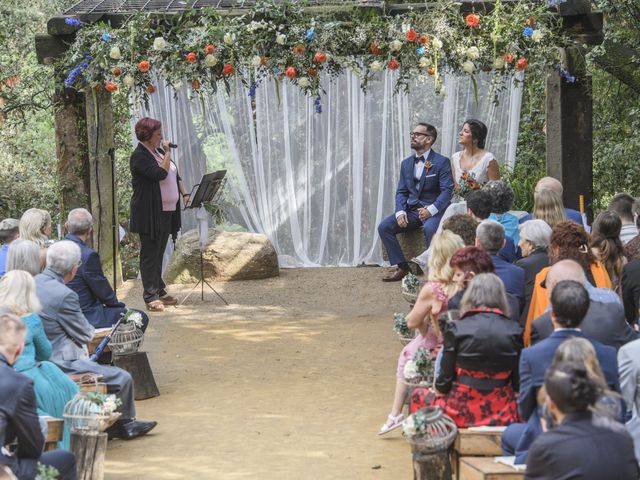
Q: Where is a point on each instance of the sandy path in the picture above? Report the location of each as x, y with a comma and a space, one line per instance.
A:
290, 381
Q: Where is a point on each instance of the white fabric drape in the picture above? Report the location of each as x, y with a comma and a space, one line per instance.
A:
318, 184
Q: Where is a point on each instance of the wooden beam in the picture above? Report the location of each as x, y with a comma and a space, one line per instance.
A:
50, 47
619, 61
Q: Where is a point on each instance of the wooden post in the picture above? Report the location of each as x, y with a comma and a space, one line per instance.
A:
89, 451
137, 364
100, 142
430, 465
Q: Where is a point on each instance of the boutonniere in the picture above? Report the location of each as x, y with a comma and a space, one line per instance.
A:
427, 165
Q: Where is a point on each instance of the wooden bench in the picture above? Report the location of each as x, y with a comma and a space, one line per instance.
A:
486, 468
88, 382
97, 338
54, 433
475, 443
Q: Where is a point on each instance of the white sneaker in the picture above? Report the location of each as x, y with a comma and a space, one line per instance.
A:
391, 424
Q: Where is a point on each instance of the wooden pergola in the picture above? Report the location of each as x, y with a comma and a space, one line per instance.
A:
85, 147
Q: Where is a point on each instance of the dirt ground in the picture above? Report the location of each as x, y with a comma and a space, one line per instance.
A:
292, 380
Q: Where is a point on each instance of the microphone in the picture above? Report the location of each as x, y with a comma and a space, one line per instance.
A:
173, 145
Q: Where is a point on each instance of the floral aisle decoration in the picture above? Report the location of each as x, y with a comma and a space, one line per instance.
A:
405, 334
91, 412
419, 371
411, 286
282, 42
430, 428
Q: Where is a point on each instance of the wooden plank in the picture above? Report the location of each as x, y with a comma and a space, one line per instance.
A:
473, 442
55, 427
485, 468
90, 451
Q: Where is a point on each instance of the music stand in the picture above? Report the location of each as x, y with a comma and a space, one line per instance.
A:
208, 190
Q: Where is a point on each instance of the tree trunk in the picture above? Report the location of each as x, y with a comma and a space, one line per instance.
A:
137, 364
90, 451
430, 465
100, 145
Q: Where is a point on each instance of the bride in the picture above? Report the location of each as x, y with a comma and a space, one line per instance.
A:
472, 167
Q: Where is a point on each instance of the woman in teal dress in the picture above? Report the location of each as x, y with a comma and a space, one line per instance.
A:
52, 387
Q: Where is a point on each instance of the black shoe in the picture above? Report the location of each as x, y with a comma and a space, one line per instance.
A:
130, 429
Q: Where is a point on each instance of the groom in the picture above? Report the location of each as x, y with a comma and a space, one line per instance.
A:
423, 194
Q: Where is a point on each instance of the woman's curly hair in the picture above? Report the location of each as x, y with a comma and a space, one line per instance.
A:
502, 196
569, 241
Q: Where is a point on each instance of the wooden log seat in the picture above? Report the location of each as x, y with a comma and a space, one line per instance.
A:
411, 242
486, 468
54, 433
476, 443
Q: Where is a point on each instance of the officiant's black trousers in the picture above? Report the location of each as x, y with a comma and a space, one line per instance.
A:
151, 252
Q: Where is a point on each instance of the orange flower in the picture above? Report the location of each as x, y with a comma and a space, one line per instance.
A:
312, 72
508, 57
195, 84
394, 64
411, 35
374, 48
116, 72
191, 57
298, 49
151, 89
424, 39
291, 72
110, 87
209, 49
319, 57
144, 66
472, 20
522, 63
228, 69
431, 71
531, 22
263, 61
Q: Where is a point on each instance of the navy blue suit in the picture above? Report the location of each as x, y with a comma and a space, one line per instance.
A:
98, 301
435, 187
534, 362
512, 276
19, 423
570, 213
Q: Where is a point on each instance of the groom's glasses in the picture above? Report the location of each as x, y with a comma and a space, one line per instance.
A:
418, 134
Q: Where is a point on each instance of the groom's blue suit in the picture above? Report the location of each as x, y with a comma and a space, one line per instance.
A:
435, 187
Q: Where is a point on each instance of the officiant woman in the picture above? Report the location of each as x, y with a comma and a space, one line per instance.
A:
155, 207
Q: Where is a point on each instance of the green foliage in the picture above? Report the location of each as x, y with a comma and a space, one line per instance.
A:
46, 472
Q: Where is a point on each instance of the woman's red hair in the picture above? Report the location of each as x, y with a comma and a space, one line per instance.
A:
472, 259
146, 127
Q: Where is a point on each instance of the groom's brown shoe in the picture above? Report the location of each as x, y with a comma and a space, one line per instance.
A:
396, 276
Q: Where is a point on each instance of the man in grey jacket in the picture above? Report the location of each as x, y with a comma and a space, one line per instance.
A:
70, 332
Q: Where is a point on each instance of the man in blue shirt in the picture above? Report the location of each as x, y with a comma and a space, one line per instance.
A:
9, 231
550, 183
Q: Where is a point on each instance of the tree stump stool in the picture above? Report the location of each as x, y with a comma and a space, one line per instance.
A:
89, 450
412, 244
428, 465
137, 364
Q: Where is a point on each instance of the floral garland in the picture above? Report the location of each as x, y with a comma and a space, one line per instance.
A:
282, 42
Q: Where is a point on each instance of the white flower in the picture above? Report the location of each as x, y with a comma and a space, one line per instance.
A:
177, 86
281, 38
425, 62
537, 36
395, 45
256, 61
406, 27
436, 43
304, 82
229, 38
128, 80
253, 26
376, 66
115, 53
410, 370
494, 37
468, 66
498, 63
159, 44
473, 53
409, 426
136, 318
327, 57
109, 405
210, 61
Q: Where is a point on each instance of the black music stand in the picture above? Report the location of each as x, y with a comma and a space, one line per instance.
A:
208, 190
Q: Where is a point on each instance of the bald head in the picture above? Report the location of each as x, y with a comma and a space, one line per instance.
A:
564, 270
549, 183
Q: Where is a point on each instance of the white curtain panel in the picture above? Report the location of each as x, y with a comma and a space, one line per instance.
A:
318, 184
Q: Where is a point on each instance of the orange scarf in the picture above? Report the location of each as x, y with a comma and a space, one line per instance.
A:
540, 297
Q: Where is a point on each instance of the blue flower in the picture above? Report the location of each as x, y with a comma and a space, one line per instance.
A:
106, 37
310, 35
420, 50
565, 74
317, 103
73, 21
527, 32
88, 58
554, 3
84, 65
276, 70
252, 89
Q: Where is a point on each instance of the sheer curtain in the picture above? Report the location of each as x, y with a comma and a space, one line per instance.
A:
318, 184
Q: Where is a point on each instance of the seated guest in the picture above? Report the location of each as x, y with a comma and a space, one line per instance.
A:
479, 208
20, 436
479, 370
35, 225
629, 368
632, 248
52, 387
548, 207
467, 263
569, 305
9, 231
630, 285
502, 198
431, 302
582, 445
550, 183
490, 236
534, 243
24, 255
98, 301
622, 204
607, 247
568, 242
604, 322
70, 332
462, 225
